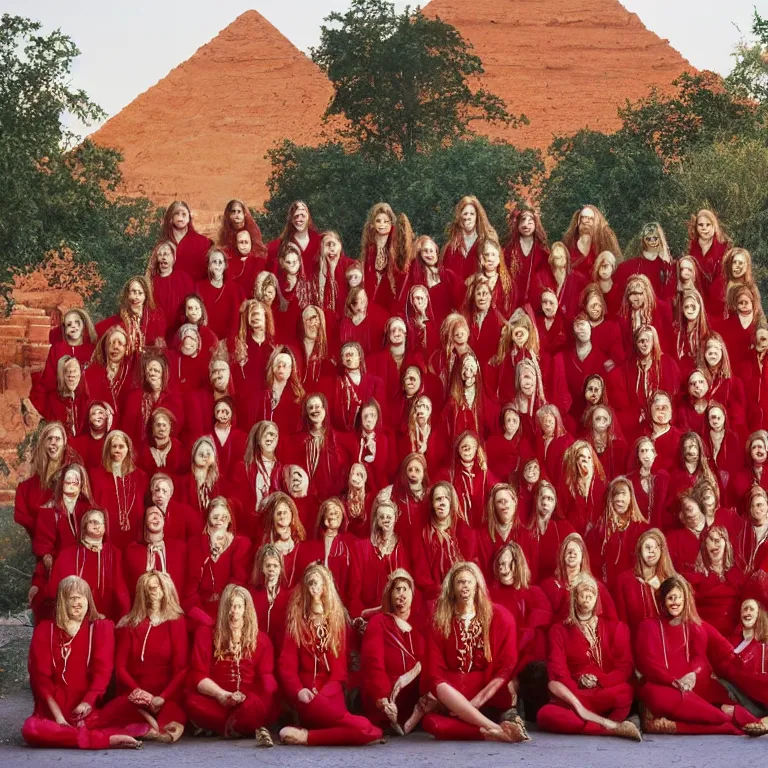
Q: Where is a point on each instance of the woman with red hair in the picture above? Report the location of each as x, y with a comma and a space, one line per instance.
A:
588, 235
358, 500
294, 292
363, 322
237, 218
525, 249
191, 246
299, 230
548, 529
281, 401
336, 543
467, 232
244, 265
193, 312
444, 288
590, 667
724, 385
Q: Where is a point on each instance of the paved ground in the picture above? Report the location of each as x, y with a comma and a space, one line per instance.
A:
420, 750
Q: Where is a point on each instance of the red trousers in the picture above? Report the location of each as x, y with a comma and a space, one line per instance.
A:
42, 732
330, 724
121, 712
613, 703
243, 720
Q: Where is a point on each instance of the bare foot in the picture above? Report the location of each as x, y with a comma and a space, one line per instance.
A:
516, 731
175, 731
627, 730
495, 734
120, 741
756, 729
291, 735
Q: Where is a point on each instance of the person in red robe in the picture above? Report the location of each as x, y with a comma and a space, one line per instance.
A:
313, 667
650, 483
587, 236
151, 663
170, 286
71, 659
221, 295
280, 401
468, 229
550, 323
245, 263
468, 407
161, 451
492, 268
67, 402
270, 593
693, 402
506, 449
600, 431
358, 501
155, 552
119, 487
353, 386
373, 444
215, 558
707, 493
471, 656
606, 337
231, 687
409, 493
636, 589
181, 522
96, 561
754, 373
582, 486
89, 444
685, 540
444, 541
363, 322
745, 311
336, 544
691, 328
692, 466
326, 272
299, 230
590, 668
640, 306
678, 690
572, 561
236, 218
110, 376
752, 544
485, 318
548, 529
603, 275
654, 261
194, 313
550, 438
708, 244
525, 251
445, 288
191, 246
204, 481
423, 329
374, 559
580, 360
312, 355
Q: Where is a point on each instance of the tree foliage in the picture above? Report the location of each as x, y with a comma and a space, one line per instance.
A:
749, 77
57, 195
402, 82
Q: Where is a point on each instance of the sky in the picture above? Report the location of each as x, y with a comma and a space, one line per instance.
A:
128, 45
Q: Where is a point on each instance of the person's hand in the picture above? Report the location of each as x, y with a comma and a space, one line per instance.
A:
305, 696
81, 711
609, 365
381, 703
140, 697
61, 720
48, 562
238, 697
686, 682
225, 699
156, 704
31, 594
587, 681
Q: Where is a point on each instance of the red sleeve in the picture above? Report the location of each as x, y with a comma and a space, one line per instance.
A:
120, 597
102, 659
178, 632
504, 642
202, 657
650, 662
557, 659
539, 610
618, 593
609, 608
699, 641
436, 667
44, 540
376, 681
356, 606
622, 657
265, 668
241, 561
288, 669
21, 512
338, 670
125, 681
40, 663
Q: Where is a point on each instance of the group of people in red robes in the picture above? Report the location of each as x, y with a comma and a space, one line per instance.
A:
494, 482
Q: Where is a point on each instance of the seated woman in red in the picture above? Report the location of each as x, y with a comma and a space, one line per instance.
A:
678, 690
590, 667
119, 487
156, 552
445, 289
752, 543
502, 526
204, 481
444, 541
109, 377
392, 654
551, 438
471, 656
744, 313
245, 263
215, 558
191, 246
510, 585
582, 486
636, 589
300, 230
525, 250
71, 659
312, 356
170, 286
67, 402
557, 274
357, 500
506, 449
409, 493
154, 393
691, 328
181, 521
454, 345
337, 545
231, 687
466, 233
284, 529
373, 560
572, 560
270, 593
137, 314
313, 666
685, 539
151, 663
599, 430
89, 443
195, 313
717, 582
422, 328
99, 563
612, 542
548, 530
161, 451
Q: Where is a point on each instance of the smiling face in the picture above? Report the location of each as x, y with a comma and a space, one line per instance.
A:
749, 613
468, 218
429, 253
758, 451
300, 218
315, 411
193, 311
441, 504
118, 449
594, 309
190, 343
73, 328
738, 265
532, 472
715, 545
646, 454
674, 602
154, 520
385, 518
382, 224
54, 444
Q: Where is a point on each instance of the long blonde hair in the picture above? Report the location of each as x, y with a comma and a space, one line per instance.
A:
399, 574
42, 466
582, 581
445, 608
170, 608
69, 586
222, 635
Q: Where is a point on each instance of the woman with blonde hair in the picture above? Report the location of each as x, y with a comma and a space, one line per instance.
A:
110, 375
71, 659
204, 482
233, 687
270, 593
590, 668
151, 662
468, 230
444, 287
582, 486
708, 244
472, 655
313, 666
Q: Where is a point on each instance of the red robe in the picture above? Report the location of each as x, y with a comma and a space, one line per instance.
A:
751, 554
434, 555
524, 268
684, 546
176, 461
559, 595
636, 600
487, 550
583, 511
484, 335
30, 497
44, 382
169, 294
460, 262
223, 306
329, 475
348, 398
173, 561
72, 412
114, 393
611, 555
547, 545
139, 407
718, 600
338, 559
55, 529
88, 447
653, 503
271, 613
152, 325
123, 500
711, 264
192, 254
243, 270
370, 571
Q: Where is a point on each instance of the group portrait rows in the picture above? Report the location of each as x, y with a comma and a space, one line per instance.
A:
462, 486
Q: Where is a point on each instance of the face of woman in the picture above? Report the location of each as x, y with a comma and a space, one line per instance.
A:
686, 271
468, 218
369, 418
94, 527
594, 309
333, 517
606, 269
136, 297
331, 248
636, 296
573, 556
118, 449
441, 504
758, 451
429, 253
586, 221
420, 301
601, 420
402, 596
268, 440
594, 392
705, 228
357, 476
315, 586
257, 319
382, 224
621, 499
270, 569
504, 503
223, 414
154, 590
411, 381
315, 411
311, 321
54, 444
661, 411
713, 353
236, 610
744, 304
219, 518
532, 472
490, 258
545, 502
469, 371
761, 340
283, 516
646, 454
749, 614
73, 328
300, 218
758, 510
154, 520
180, 217
423, 410
468, 449
526, 226
161, 493
77, 606
354, 278
220, 376
527, 382
547, 421
582, 330
482, 298
548, 304
193, 311
691, 451
644, 344
460, 335
397, 334
72, 375
715, 547
282, 368
237, 216
415, 473
586, 600
511, 422
161, 428
153, 374
697, 386
520, 335
558, 258
691, 309
243, 242
71, 483
674, 602
97, 417
691, 515
269, 294
216, 265
584, 461
292, 263
652, 241
738, 265
204, 456
465, 587
117, 347
350, 357
505, 568
386, 520
190, 344
650, 552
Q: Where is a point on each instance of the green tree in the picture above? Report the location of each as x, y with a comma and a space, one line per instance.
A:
59, 196
749, 76
402, 82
